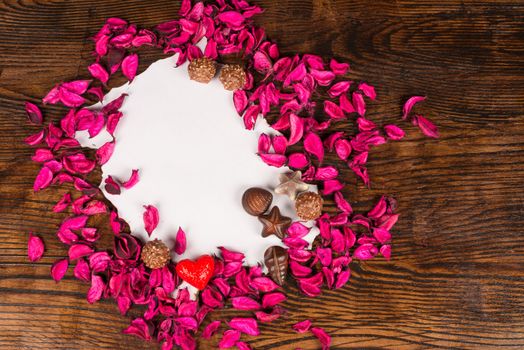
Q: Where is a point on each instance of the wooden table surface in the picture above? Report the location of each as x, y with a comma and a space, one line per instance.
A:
456, 279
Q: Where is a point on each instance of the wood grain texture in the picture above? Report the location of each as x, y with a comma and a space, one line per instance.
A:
456, 280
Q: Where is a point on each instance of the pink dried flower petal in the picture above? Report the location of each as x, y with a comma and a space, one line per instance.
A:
232, 19
98, 72
35, 248
276, 160
379, 209
365, 252
313, 145
210, 329
326, 173
35, 139
365, 124
345, 104
264, 284
272, 299
296, 125
322, 336
180, 242
247, 326
245, 303
302, 327
132, 181
140, 328
342, 203
427, 127
297, 161
82, 270
394, 132
104, 153
331, 186
333, 110
151, 218
338, 68
240, 100
63, 203
250, 116
111, 186
359, 103
79, 250
297, 229
323, 78
264, 143
385, 250
78, 163
43, 179
299, 270
279, 144
230, 256
97, 288
339, 88
382, 235
408, 106
261, 62
76, 86
229, 339
59, 269
33, 113
42, 155
309, 289
70, 99
368, 90
130, 66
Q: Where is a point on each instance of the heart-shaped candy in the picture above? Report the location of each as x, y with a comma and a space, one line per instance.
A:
196, 273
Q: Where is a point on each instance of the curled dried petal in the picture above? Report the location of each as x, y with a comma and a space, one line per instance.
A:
130, 66
180, 242
59, 269
35, 248
151, 218
408, 106
33, 113
132, 181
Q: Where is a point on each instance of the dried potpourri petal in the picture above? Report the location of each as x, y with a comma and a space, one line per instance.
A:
151, 218
35, 248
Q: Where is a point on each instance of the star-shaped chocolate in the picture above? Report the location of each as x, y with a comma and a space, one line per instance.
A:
291, 184
274, 223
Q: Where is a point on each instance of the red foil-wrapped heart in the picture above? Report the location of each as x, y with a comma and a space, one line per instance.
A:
196, 273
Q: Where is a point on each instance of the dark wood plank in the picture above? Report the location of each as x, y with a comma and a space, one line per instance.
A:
457, 276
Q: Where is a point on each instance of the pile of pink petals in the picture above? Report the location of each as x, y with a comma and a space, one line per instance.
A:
284, 86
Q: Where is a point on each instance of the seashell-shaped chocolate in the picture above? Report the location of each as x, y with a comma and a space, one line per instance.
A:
277, 260
256, 200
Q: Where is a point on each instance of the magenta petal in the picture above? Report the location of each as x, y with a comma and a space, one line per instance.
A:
339, 88
427, 127
35, 139
313, 145
245, 303
342, 203
104, 153
231, 18
79, 250
409, 105
140, 328
264, 284
111, 186
394, 132
302, 327
261, 62
368, 90
333, 110
77, 86
385, 250
296, 125
43, 179
331, 186
343, 148
359, 104
326, 173
229, 339
132, 181
130, 66
35, 248
240, 100
323, 78
272, 299
338, 68
33, 113
180, 242
62, 203
365, 251
276, 160
151, 218
264, 143
382, 235
297, 161
210, 329
98, 72
97, 288
53, 96
82, 270
279, 144
59, 269
322, 336
248, 326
